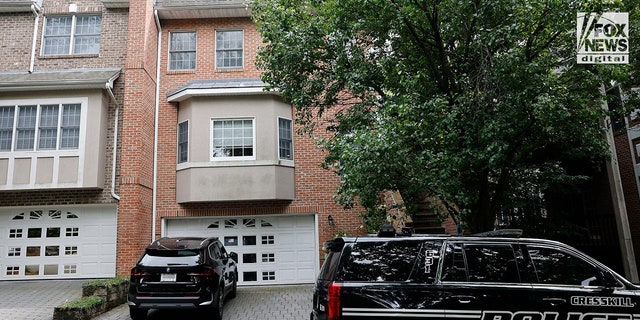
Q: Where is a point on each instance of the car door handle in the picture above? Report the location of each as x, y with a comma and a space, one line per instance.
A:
464, 299
554, 302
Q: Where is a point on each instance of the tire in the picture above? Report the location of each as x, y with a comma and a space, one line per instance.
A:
217, 310
137, 314
234, 289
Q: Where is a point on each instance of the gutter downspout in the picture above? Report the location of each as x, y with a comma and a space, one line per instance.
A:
35, 10
155, 137
109, 87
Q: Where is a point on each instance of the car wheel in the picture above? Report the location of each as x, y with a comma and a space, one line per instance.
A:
234, 289
137, 314
217, 311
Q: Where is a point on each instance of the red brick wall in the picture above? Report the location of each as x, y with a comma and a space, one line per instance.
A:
631, 196
137, 137
15, 42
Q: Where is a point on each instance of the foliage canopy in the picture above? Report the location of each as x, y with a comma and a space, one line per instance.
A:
478, 104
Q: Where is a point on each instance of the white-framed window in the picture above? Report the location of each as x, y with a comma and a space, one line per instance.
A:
72, 34
25, 127
182, 51
6, 127
229, 49
183, 142
232, 139
285, 139
32, 127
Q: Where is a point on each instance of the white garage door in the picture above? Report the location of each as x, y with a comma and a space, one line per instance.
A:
56, 243
271, 249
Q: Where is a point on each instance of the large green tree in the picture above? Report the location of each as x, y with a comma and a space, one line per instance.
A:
478, 104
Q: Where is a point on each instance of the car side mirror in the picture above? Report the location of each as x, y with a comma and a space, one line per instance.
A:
609, 282
233, 256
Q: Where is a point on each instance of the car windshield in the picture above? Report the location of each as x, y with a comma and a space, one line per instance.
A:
162, 258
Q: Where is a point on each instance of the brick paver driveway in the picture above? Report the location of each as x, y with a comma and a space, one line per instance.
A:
35, 300
251, 303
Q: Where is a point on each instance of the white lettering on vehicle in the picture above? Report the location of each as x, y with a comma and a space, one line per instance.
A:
602, 301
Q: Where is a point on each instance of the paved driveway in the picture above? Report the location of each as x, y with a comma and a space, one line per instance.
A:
35, 300
251, 303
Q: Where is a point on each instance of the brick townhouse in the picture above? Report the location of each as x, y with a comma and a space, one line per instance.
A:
229, 163
86, 177
61, 87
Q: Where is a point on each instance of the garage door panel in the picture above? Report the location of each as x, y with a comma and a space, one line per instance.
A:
306, 257
271, 249
286, 256
287, 224
306, 273
287, 239
90, 268
304, 239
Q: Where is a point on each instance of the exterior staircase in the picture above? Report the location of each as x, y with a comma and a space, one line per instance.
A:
426, 220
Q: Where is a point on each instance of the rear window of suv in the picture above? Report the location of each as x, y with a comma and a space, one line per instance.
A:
390, 261
162, 258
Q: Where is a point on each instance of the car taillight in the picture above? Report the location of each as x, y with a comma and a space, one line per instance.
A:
198, 276
143, 274
205, 273
333, 302
138, 274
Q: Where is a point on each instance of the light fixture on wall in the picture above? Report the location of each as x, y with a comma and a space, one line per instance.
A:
330, 218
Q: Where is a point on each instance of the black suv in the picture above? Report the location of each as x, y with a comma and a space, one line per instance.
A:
182, 273
468, 278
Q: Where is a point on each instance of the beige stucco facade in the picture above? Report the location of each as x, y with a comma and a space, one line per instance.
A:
263, 177
83, 167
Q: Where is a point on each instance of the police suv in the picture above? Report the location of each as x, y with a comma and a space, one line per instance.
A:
467, 278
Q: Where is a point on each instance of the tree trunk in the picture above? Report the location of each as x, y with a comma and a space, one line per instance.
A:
481, 218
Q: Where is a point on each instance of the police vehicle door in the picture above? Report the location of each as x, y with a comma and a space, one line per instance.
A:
481, 281
568, 285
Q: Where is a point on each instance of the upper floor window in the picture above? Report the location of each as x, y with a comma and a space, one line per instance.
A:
41, 127
285, 139
74, 34
183, 142
182, 51
232, 138
229, 48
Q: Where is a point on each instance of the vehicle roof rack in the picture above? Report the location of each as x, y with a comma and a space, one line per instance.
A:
388, 231
335, 244
508, 233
